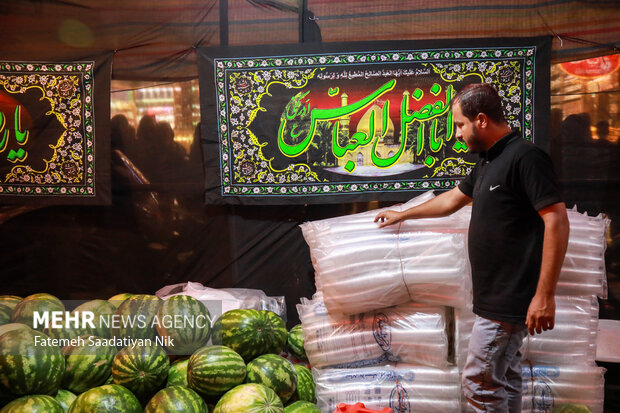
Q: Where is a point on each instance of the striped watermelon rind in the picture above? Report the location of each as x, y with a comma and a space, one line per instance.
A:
249, 398
135, 317
5, 314
27, 366
177, 375
13, 326
213, 370
301, 406
306, 389
250, 332
186, 322
275, 372
24, 311
38, 403
65, 398
103, 312
176, 399
141, 369
117, 300
295, 343
110, 398
10, 300
87, 364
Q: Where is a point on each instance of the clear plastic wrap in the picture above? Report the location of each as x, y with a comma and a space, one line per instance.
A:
404, 388
360, 267
464, 320
409, 333
549, 387
573, 338
220, 300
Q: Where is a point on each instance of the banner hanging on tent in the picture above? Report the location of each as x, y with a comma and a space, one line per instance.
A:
355, 122
54, 134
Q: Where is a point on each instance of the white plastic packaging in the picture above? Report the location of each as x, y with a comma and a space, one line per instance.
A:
409, 333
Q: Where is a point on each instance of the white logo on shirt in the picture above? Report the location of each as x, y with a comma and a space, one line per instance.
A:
492, 188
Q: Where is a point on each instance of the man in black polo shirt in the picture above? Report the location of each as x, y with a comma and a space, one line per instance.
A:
518, 236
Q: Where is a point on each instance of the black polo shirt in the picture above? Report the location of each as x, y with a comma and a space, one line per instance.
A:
509, 184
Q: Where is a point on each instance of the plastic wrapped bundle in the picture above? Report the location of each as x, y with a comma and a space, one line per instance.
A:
573, 338
409, 333
549, 387
360, 267
405, 388
583, 271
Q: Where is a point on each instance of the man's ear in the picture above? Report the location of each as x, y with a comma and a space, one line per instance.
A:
482, 120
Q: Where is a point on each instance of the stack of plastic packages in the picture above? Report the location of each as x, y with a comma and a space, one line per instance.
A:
559, 365
409, 333
375, 332
360, 268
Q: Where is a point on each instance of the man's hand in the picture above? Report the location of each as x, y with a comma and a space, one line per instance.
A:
386, 218
541, 314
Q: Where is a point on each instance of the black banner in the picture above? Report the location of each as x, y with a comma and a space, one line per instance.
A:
54, 132
355, 122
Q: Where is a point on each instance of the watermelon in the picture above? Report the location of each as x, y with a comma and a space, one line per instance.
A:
41, 303
142, 369
135, 317
302, 407
572, 408
110, 398
5, 314
65, 332
10, 300
295, 343
103, 312
88, 363
176, 399
177, 375
38, 403
275, 372
117, 300
186, 322
305, 390
251, 332
13, 326
65, 398
213, 370
249, 398
27, 366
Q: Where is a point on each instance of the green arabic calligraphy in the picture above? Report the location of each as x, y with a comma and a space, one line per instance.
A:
21, 136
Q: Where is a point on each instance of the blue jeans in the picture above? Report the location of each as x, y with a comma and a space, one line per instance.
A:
492, 373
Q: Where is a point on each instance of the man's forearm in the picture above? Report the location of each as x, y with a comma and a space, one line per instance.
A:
440, 206
554, 247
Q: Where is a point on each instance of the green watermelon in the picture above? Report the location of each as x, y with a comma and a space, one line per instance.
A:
302, 407
249, 398
117, 300
176, 399
65, 398
177, 375
295, 343
41, 303
38, 403
213, 370
5, 314
305, 390
186, 321
10, 300
65, 332
27, 366
251, 332
142, 369
13, 326
103, 312
572, 408
275, 372
88, 363
135, 317
110, 398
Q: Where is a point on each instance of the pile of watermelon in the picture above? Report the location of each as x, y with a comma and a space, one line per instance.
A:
166, 369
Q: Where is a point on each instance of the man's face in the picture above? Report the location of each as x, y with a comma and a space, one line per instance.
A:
466, 130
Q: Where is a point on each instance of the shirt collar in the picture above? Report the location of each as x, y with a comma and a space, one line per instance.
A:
498, 147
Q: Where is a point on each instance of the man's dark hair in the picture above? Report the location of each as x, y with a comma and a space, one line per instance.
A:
480, 98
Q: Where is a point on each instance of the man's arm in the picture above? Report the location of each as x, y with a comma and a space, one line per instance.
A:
440, 206
541, 312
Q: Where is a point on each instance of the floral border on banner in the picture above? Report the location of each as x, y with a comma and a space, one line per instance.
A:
69, 89
246, 171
